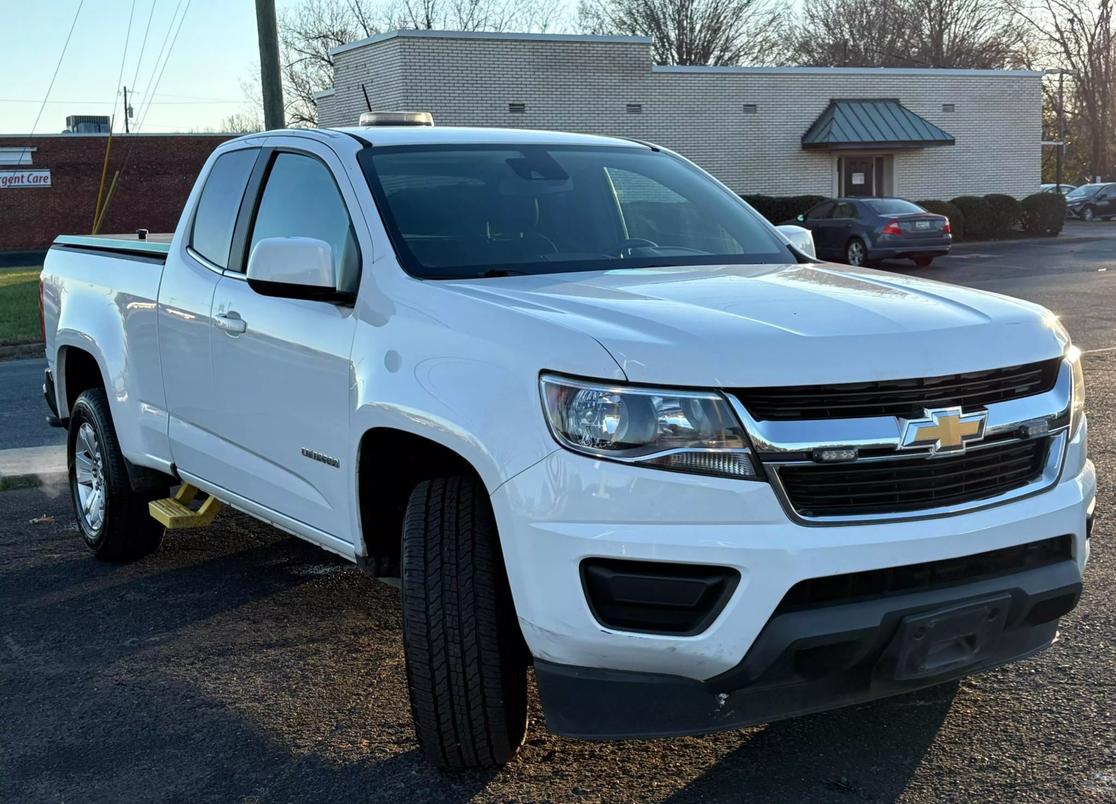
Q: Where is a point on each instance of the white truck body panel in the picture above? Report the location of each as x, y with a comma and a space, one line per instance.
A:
458, 362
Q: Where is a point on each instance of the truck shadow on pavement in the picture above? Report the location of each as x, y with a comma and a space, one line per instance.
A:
241, 664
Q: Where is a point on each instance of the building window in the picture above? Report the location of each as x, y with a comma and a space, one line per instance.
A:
635, 108
949, 107
750, 108
517, 108
16, 156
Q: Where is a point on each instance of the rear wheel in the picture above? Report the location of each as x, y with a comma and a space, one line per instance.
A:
856, 253
922, 262
112, 519
466, 661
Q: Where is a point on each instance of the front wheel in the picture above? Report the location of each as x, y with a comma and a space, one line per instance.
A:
112, 518
1088, 214
466, 660
856, 253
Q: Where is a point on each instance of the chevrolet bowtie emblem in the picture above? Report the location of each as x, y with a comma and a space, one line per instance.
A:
943, 430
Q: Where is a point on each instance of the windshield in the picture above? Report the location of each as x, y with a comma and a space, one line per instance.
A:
1084, 191
892, 206
466, 211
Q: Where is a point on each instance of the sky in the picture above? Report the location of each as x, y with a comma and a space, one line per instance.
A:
215, 52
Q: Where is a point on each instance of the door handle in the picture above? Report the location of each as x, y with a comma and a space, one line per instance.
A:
231, 323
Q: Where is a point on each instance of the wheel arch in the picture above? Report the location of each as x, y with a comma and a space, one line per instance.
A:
78, 369
390, 463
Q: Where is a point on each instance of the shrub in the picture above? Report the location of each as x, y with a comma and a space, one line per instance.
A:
783, 208
954, 213
1005, 214
1044, 213
978, 214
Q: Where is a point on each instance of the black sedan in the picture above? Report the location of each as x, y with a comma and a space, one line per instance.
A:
861, 231
1091, 201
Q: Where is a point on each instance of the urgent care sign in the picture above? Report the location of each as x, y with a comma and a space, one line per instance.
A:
11, 179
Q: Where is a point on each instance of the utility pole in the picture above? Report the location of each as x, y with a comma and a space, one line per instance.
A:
126, 111
1061, 147
270, 78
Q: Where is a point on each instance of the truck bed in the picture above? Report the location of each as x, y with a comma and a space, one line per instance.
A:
155, 245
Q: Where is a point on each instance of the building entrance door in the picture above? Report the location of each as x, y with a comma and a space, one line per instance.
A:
858, 175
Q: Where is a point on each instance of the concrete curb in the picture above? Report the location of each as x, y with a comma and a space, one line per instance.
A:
32, 466
18, 351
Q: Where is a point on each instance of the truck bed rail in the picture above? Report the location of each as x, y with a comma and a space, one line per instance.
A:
155, 246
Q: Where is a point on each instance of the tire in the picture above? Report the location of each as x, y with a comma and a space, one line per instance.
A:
922, 262
856, 253
466, 660
112, 519
1088, 214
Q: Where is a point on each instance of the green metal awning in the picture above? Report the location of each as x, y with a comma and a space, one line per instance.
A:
862, 124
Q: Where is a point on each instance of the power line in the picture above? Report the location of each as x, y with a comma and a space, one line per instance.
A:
162, 49
166, 60
58, 66
143, 44
123, 58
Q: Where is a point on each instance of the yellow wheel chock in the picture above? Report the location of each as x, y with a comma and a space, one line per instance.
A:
173, 513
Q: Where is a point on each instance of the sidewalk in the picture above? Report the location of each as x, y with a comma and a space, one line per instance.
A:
32, 466
1073, 232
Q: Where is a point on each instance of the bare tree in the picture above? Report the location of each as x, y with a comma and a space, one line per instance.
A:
533, 16
1077, 36
858, 33
906, 33
714, 32
309, 30
306, 34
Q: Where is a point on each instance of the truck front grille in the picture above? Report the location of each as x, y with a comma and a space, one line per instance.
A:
856, 586
903, 398
911, 484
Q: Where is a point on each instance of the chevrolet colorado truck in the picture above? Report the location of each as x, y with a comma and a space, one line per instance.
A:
595, 415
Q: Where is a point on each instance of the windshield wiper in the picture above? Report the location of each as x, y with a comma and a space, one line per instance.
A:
497, 272
491, 273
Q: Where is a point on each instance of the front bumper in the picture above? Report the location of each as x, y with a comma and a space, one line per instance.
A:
568, 508
814, 660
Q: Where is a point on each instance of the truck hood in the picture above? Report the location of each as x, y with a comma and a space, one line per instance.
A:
761, 325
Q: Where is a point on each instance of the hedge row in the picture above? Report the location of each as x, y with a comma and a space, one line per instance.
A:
971, 217
782, 208
997, 216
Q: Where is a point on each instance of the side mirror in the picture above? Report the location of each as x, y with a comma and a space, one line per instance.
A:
800, 218
295, 268
799, 237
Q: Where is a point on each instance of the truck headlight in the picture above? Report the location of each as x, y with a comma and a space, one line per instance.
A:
1077, 397
688, 431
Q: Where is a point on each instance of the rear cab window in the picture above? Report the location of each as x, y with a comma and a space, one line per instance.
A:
215, 216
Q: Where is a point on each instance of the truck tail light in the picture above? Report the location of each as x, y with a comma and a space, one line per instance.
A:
892, 228
946, 228
42, 317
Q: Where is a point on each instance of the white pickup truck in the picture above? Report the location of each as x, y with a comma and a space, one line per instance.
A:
598, 417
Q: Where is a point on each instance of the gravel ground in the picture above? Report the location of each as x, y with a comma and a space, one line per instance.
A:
241, 664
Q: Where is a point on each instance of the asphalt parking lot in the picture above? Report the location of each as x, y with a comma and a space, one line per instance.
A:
239, 664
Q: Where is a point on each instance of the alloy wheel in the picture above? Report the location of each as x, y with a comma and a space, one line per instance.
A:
90, 475
854, 254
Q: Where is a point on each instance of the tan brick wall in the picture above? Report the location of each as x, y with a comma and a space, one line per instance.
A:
574, 84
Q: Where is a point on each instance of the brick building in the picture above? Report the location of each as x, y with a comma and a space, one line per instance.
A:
49, 183
918, 133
